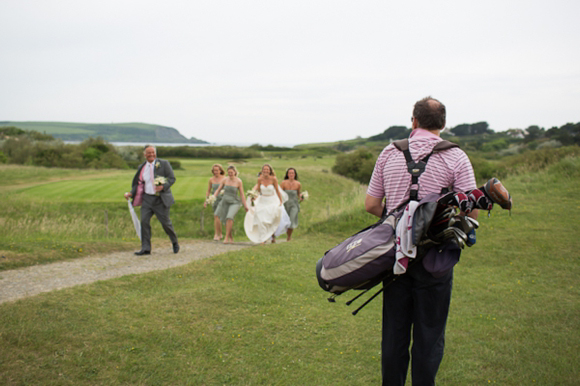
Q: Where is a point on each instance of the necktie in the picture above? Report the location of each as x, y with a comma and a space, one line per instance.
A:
152, 176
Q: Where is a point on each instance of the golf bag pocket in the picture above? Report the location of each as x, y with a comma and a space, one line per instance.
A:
440, 259
361, 261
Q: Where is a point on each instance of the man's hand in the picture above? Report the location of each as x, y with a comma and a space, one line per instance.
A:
158, 188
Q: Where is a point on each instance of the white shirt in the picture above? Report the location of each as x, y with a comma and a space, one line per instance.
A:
147, 180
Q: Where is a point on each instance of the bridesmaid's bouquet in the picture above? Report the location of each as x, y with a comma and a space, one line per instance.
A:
210, 200
304, 195
252, 195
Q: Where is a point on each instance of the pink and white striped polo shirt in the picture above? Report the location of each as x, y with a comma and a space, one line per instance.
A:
449, 168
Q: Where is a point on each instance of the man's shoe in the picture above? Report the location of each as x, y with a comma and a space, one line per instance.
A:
142, 252
175, 248
495, 190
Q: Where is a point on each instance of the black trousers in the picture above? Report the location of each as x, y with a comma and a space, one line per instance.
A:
153, 205
415, 305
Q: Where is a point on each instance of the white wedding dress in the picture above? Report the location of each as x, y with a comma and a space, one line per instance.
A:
267, 217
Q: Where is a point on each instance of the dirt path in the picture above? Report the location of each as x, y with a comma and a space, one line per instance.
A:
30, 281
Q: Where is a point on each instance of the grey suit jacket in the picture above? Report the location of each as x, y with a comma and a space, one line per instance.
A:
162, 168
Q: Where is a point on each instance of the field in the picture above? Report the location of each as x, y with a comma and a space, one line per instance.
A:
257, 316
53, 128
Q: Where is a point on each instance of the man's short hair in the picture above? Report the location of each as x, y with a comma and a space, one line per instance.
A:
153, 146
430, 113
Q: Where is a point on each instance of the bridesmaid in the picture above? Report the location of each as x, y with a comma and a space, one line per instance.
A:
292, 187
214, 182
230, 202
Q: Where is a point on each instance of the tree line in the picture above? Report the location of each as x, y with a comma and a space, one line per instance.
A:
29, 147
477, 139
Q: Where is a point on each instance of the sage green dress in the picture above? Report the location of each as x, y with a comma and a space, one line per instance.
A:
229, 204
292, 206
214, 187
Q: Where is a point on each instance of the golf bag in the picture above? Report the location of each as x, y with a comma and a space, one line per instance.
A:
367, 258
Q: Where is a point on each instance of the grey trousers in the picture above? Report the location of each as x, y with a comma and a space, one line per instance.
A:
153, 205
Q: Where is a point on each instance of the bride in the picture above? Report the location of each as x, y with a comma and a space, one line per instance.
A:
267, 218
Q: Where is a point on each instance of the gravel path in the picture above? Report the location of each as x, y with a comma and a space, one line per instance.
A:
30, 281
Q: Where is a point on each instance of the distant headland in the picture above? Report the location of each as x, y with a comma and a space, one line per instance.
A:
111, 132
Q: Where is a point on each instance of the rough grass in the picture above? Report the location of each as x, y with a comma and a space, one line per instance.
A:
257, 316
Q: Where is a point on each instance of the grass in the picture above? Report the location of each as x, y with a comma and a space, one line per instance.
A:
46, 218
257, 316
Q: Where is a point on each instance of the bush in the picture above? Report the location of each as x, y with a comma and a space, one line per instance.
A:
495, 145
175, 164
222, 152
357, 165
483, 169
532, 161
92, 153
512, 150
553, 143
11, 131
18, 150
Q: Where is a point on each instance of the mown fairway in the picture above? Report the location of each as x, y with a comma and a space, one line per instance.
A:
257, 316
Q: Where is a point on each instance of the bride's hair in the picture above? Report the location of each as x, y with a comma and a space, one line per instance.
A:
295, 174
234, 169
271, 170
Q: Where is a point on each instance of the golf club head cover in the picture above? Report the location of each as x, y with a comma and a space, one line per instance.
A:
479, 199
463, 202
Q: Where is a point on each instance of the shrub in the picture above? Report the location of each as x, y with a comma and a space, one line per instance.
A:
495, 145
175, 164
483, 169
357, 165
18, 150
92, 153
532, 161
550, 144
231, 152
512, 150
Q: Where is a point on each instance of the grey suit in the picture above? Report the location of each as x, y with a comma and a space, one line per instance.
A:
156, 205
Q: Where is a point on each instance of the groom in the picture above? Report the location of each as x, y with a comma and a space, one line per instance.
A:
154, 199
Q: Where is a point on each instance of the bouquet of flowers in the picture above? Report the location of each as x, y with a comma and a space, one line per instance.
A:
252, 195
304, 195
210, 200
159, 180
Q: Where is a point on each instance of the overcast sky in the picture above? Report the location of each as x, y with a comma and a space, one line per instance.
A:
288, 72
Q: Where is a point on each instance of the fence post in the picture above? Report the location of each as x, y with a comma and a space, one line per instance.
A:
201, 220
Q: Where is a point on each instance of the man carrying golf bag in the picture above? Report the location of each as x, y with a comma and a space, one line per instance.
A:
416, 305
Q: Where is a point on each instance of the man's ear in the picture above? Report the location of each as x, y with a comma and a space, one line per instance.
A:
414, 124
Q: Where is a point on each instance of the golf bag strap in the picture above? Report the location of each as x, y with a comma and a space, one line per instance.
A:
417, 168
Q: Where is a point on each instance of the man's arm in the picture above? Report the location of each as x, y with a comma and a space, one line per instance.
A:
168, 175
374, 205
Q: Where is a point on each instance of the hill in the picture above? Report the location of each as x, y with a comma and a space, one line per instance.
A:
112, 132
